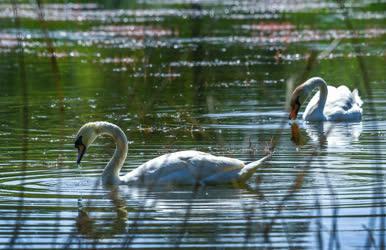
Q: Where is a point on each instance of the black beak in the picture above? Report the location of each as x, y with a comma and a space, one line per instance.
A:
81, 151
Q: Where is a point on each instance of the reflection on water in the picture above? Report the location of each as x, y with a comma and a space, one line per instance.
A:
332, 135
177, 75
103, 227
328, 135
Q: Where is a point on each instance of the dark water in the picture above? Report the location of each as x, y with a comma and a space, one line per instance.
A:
211, 76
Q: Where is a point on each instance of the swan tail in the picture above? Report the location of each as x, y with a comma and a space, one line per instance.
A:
357, 98
249, 169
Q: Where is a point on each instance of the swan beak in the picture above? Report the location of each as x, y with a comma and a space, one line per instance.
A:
294, 112
292, 115
81, 151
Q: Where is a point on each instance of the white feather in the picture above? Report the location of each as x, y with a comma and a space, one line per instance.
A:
179, 168
341, 105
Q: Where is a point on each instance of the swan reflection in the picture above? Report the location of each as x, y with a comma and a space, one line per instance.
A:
326, 134
132, 207
103, 227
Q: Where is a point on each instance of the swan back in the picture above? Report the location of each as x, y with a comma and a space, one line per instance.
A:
183, 167
341, 105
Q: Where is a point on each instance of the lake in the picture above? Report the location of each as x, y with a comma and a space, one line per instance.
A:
207, 75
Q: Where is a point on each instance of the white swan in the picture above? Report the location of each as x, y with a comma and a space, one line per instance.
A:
179, 168
328, 104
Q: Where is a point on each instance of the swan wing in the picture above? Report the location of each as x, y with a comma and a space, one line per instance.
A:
184, 167
341, 105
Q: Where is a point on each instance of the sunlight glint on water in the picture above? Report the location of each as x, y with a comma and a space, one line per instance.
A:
176, 75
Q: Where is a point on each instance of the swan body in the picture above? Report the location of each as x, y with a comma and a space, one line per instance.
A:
328, 104
179, 168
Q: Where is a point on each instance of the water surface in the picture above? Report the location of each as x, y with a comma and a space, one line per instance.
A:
175, 75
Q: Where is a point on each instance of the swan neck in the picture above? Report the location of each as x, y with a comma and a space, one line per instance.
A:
323, 90
323, 95
111, 172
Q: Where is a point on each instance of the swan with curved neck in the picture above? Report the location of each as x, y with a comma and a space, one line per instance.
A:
179, 168
328, 104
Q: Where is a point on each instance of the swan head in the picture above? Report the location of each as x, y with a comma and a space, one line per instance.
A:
85, 137
296, 101
301, 93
